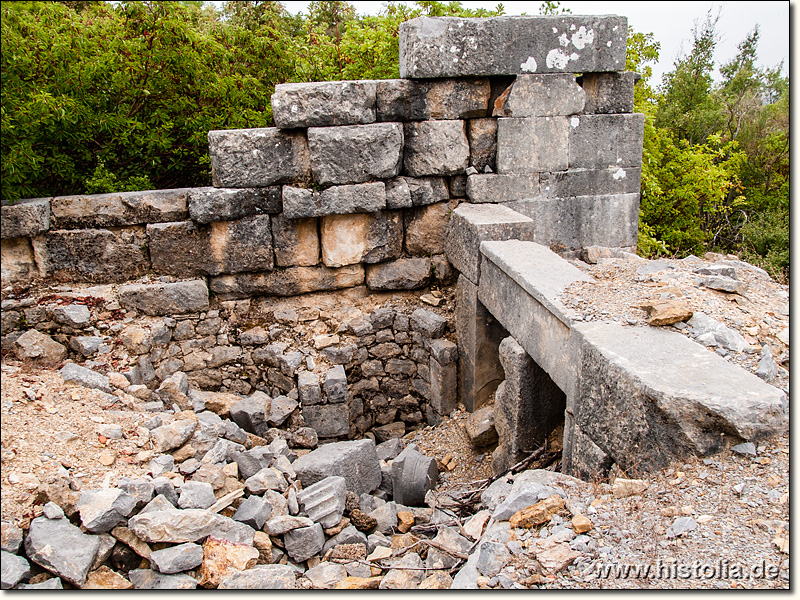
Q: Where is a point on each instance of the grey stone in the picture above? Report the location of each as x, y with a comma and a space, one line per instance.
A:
208, 204
428, 323
335, 200
61, 548
335, 384
295, 241
590, 182
444, 388
482, 135
119, 208
39, 348
175, 526
281, 524
400, 274
172, 435
54, 583
390, 449
325, 575
725, 284
511, 45
164, 487
398, 194
85, 345
253, 512
406, 100
160, 465
196, 494
534, 144
287, 282
14, 569
480, 427
355, 153
449, 539
604, 141
280, 409
726, 337
328, 420
141, 489
11, 537
356, 461
147, 579
308, 388
767, 367
408, 573
261, 577
25, 218
435, 148
547, 95
160, 502
72, 315
304, 542
426, 190
680, 526
608, 93
746, 449
251, 413
254, 158
85, 377
718, 270
267, 478
348, 535
492, 557
413, 474
523, 496
323, 103
323, 501
177, 558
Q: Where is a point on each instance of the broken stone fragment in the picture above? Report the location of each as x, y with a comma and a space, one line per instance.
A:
622, 488
85, 377
222, 558
14, 570
261, 577
102, 509
61, 548
667, 312
480, 427
413, 474
104, 578
147, 579
304, 542
539, 513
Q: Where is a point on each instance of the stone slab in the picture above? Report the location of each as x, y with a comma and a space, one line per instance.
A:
335, 200
435, 148
323, 103
356, 238
160, 299
295, 241
409, 100
547, 95
605, 141
119, 208
497, 188
590, 182
533, 144
609, 93
425, 229
25, 218
355, 153
400, 274
287, 282
356, 461
208, 204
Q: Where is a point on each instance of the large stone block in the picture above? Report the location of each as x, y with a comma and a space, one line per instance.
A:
444, 388
119, 208
605, 141
159, 299
25, 218
369, 238
328, 420
609, 93
92, 255
287, 282
472, 224
407, 100
482, 135
245, 158
296, 241
456, 47
426, 228
355, 153
496, 188
356, 461
335, 200
590, 182
549, 95
400, 274
533, 144
210, 204
18, 262
436, 148
323, 103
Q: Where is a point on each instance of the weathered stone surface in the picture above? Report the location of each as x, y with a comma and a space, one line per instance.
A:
425, 229
147, 579
14, 569
304, 542
175, 526
287, 282
308, 388
61, 548
324, 103
104, 578
25, 218
244, 158
222, 558
426, 190
92, 255
173, 435
721, 334
119, 208
609, 93
335, 384
444, 388
355, 238
325, 576
605, 141
280, 410
328, 420
550, 95
408, 573
482, 135
534, 144
400, 274
77, 316
480, 427
511, 45
160, 299
196, 494
472, 224
407, 100
102, 509
323, 501
208, 204
335, 200
538, 513
667, 312
253, 512
267, 478
355, 153
428, 323
590, 182
356, 461
413, 474
296, 241
18, 262
725, 284
177, 558
39, 348
10, 537
435, 148
85, 377
397, 193
54, 583
261, 577
278, 525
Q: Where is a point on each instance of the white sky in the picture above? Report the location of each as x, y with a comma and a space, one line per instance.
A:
670, 22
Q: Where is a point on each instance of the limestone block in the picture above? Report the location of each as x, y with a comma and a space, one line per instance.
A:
407, 100
245, 158
335, 200
160, 299
533, 144
369, 238
400, 274
335, 385
208, 204
472, 224
549, 95
456, 47
287, 282
426, 228
590, 182
25, 218
608, 93
119, 208
356, 461
605, 141
92, 255
427, 190
355, 153
458, 184
482, 135
444, 388
296, 241
323, 103
398, 194
493, 187
18, 262
435, 148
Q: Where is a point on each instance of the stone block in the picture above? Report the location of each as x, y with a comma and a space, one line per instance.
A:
435, 148
425, 229
25, 218
287, 282
459, 47
304, 542
589, 182
458, 183
308, 388
324, 501
208, 204
335, 200
324, 103
328, 420
335, 385
428, 323
427, 190
398, 194
413, 474
251, 413
295, 241
355, 153
482, 136
119, 208
533, 144
356, 461
253, 158
472, 224
549, 95
400, 274
444, 388
162, 299
355, 238
605, 141
18, 262
407, 100
92, 255
496, 188
609, 93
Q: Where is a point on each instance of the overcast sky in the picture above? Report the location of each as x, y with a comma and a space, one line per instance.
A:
670, 22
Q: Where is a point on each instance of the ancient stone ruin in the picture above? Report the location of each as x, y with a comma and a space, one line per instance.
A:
482, 170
